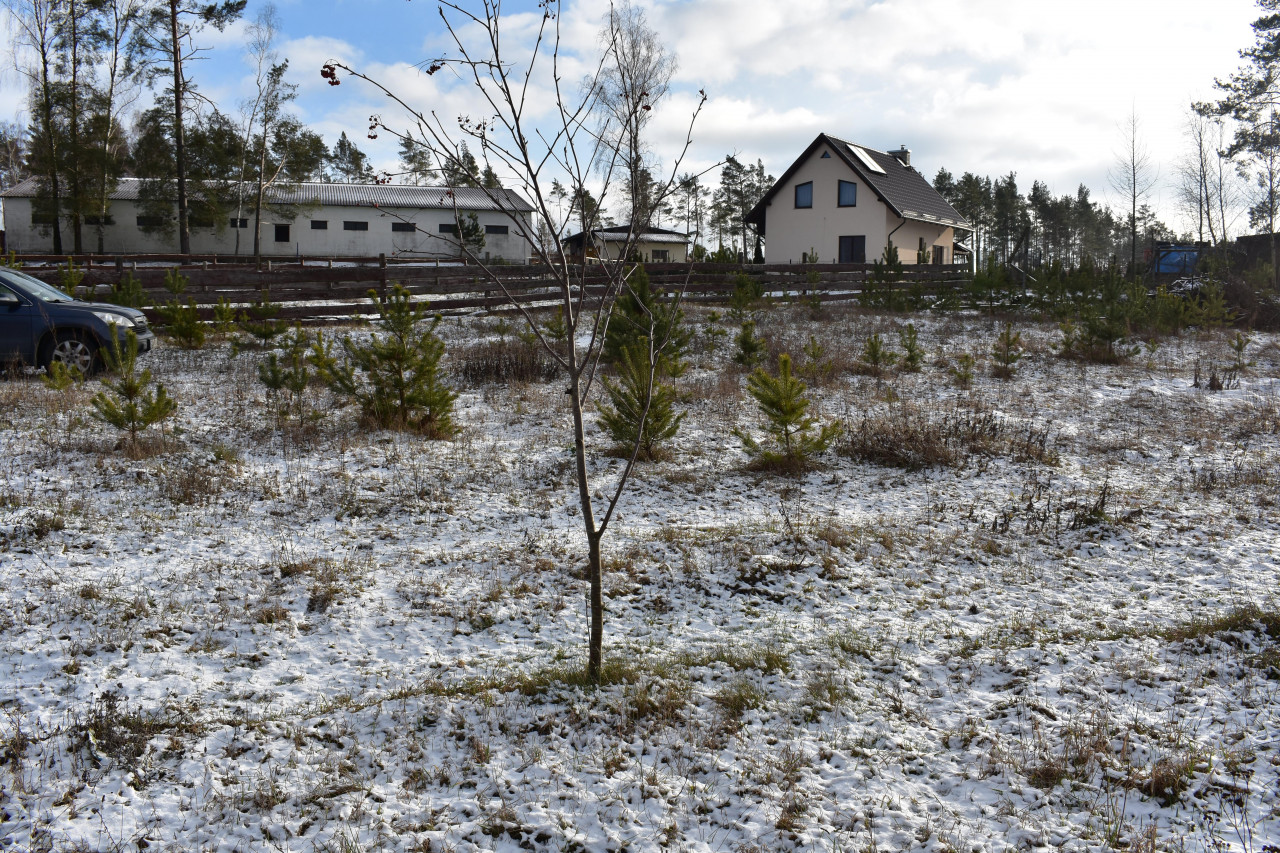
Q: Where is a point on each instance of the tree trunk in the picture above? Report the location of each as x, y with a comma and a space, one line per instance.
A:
179, 141
595, 594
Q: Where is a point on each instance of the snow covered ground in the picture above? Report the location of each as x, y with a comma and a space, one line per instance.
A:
325, 638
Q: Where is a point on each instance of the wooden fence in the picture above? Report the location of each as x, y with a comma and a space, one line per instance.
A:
318, 292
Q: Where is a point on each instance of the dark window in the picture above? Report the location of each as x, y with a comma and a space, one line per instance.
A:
282, 233
404, 226
200, 221
355, 226
826, 155
239, 223
939, 255
45, 218
495, 229
853, 250
319, 225
848, 196
96, 219
661, 256
448, 228
151, 221
804, 194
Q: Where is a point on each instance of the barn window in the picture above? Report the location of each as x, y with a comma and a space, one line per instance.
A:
282, 233
151, 221
239, 223
448, 228
319, 225
404, 227
355, 226
495, 229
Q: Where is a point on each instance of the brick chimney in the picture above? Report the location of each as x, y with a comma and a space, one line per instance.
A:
903, 155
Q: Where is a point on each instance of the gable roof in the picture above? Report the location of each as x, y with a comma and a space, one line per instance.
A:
342, 195
618, 233
903, 190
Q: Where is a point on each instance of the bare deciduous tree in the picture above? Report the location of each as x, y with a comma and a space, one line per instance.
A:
565, 145
1133, 176
1208, 184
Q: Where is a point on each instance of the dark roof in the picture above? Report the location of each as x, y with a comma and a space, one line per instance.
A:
345, 195
619, 232
904, 190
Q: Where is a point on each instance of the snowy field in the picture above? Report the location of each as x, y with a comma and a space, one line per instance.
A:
1065, 636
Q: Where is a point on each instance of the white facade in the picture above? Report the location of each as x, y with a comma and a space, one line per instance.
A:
322, 228
878, 205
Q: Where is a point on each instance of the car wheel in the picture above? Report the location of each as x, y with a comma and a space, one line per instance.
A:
73, 351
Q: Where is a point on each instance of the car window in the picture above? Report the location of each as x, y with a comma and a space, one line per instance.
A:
35, 287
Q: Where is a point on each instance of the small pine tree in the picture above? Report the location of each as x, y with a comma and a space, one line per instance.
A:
962, 373
747, 292
912, 355
60, 377
181, 320
471, 233
287, 375
817, 367
70, 277
797, 437
394, 378
1239, 344
750, 345
876, 357
127, 291
1007, 350
627, 397
225, 316
260, 321
640, 315
131, 406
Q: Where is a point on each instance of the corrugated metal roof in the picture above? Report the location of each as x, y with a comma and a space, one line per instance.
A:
902, 188
346, 195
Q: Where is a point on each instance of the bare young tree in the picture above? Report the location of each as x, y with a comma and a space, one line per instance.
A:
1208, 184
1133, 176
636, 75
565, 145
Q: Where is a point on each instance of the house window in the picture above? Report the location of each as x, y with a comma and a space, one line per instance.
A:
495, 229
448, 228
939, 255
853, 250
848, 194
282, 233
661, 256
804, 194
96, 219
319, 225
404, 226
200, 221
45, 218
826, 155
355, 226
151, 221
239, 223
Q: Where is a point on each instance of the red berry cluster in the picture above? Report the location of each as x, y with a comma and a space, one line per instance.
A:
328, 72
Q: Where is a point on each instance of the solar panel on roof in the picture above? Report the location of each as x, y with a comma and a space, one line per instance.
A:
866, 160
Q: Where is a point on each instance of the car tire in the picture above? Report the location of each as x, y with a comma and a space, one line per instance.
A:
72, 349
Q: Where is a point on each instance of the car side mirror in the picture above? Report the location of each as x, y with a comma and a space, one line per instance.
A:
7, 298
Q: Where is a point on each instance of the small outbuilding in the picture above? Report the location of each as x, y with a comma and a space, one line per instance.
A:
844, 203
331, 220
652, 245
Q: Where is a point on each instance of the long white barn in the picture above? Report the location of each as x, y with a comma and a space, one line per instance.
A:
337, 220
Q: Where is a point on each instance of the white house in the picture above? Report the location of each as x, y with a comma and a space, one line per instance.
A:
336, 220
652, 245
845, 202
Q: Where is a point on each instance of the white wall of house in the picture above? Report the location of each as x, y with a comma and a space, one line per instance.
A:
675, 253
346, 232
791, 232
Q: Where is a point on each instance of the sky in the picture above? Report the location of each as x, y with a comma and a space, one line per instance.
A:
987, 86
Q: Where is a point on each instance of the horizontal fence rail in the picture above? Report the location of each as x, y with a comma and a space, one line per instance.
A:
314, 291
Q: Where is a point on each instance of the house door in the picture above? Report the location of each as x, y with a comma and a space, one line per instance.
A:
853, 250
939, 253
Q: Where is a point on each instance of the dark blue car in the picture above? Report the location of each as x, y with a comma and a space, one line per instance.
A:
40, 324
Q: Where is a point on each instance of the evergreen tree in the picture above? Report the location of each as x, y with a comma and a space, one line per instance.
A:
395, 378
797, 437
471, 234
1006, 351
415, 163
640, 319
350, 165
461, 170
639, 395
489, 178
131, 406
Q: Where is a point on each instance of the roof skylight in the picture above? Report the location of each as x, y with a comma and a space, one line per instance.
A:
866, 160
